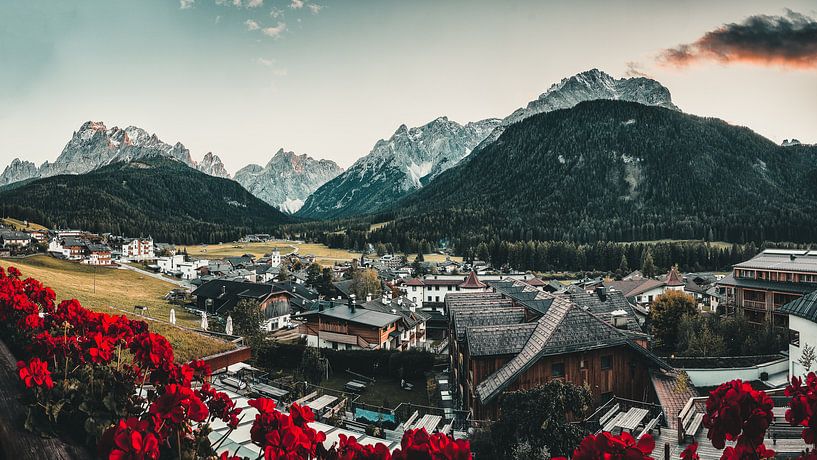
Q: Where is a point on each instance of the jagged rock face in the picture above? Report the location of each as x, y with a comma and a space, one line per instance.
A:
589, 86
412, 157
287, 179
17, 171
211, 164
94, 146
403, 163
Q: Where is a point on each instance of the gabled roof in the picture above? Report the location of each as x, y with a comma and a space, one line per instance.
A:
524, 294
565, 328
415, 282
674, 278
603, 305
798, 260
363, 316
535, 282
805, 307
470, 317
632, 288
225, 294
498, 340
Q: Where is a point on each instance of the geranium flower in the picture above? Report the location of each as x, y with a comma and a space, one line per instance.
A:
607, 446
35, 374
691, 452
133, 440
737, 412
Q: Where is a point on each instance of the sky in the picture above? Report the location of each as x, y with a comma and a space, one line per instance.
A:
243, 78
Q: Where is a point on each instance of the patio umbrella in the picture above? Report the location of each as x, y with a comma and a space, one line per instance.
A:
173, 316
229, 328
204, 324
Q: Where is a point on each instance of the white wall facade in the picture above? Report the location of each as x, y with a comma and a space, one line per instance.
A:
807, 330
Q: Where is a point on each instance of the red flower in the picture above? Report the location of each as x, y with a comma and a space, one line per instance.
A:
418, 444
691, 452
177, 404
133, 440
152, 351
36, 373
610, 447
737, 412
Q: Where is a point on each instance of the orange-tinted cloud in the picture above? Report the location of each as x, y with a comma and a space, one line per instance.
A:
785, 41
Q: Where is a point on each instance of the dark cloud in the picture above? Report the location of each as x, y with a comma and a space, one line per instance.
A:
787, 41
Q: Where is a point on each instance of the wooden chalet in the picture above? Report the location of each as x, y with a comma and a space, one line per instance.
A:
347, 326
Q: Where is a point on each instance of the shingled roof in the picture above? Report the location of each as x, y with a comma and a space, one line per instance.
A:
472, 317
674, 278
805, 307
603, 304
498, 340
524, 294
565, 328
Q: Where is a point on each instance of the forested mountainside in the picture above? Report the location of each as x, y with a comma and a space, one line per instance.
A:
154, 196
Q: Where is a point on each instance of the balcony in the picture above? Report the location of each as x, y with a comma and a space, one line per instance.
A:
754, 305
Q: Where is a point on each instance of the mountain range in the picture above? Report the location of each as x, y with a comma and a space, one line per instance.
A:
287, 179
413, 157
150, 195
617, 171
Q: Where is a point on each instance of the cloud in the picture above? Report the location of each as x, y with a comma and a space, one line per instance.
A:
274, 31
185, 4
265, 62
296, 4
314, 8
276, 13
785, 41
254, 3
252, 25
635, 69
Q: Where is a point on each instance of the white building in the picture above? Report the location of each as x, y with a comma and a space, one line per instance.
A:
138, 249
802, 332
275, 258
178, 266
429, 292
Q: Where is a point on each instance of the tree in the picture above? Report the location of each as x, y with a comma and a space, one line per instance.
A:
539, 417
283, 274
623, 265
666, 313
247, 319
366, 282
807, 357
380, 249
682, 382
312, 365
648, 267
313, 275
706, 343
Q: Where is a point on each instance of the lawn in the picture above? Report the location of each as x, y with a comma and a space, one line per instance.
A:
101, 289
434, 257
19, 224
235, 249
385, 392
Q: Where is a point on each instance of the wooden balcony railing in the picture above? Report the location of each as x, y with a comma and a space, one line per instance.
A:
754, 305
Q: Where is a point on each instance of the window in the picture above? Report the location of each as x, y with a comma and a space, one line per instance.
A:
414, 299
607, 362
414, 288
557, 370
437, 298
794, 337
429, 298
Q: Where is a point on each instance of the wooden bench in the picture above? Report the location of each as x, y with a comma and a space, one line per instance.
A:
608, 415
233, 383
652, 424
611, 424
410, 420
691, 423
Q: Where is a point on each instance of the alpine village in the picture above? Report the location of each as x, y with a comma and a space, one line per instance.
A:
601, 269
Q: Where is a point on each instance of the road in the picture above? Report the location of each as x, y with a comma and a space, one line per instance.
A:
180, 283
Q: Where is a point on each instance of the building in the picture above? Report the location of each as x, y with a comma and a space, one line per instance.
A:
97, 254
643, 291
504, 344
178, 266
429, 292
346, 326
802, 321
221, 296
70, 248
760, 286
11, 238
138, 249
411, 330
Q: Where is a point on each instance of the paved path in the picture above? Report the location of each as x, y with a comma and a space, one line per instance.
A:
180, 283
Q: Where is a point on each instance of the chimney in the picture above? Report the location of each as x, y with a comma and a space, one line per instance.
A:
384, 300
320, 306
601, 291
352, 307
368, 297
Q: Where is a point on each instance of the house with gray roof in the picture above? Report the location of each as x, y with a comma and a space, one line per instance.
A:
515, 339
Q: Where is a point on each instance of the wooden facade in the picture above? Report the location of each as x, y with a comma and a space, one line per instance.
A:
347, 332
619, 371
